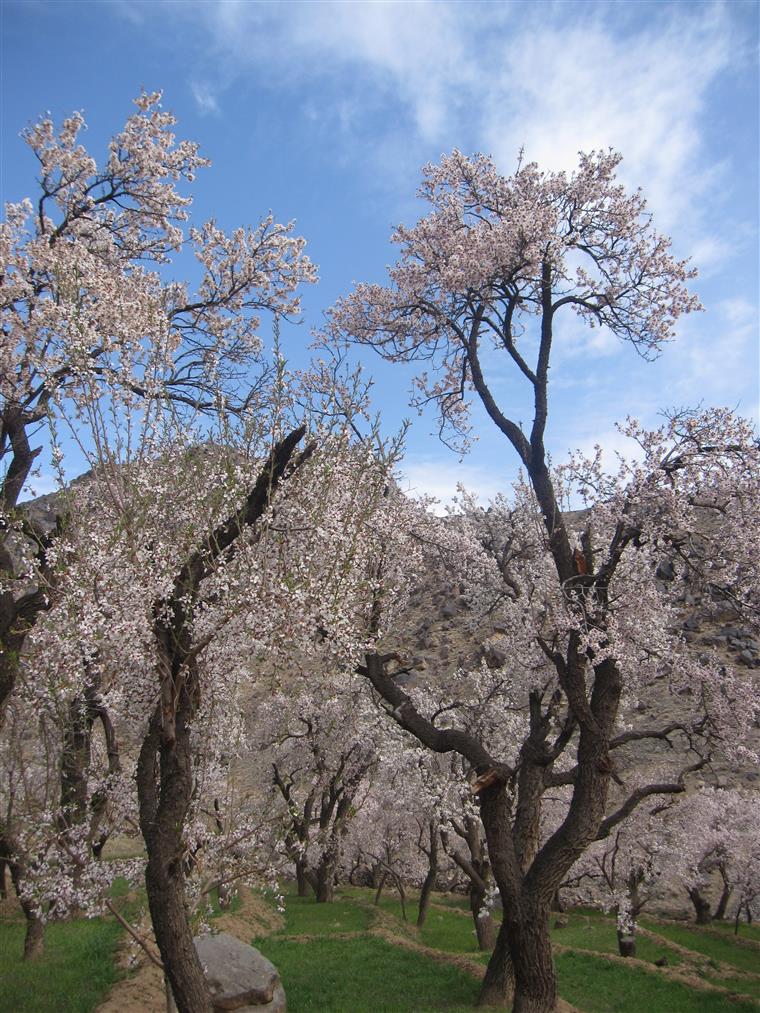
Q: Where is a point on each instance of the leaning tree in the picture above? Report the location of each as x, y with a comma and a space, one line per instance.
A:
493, 269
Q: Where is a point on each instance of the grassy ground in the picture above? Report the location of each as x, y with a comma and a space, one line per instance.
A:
599, 986
366, 975
74, 974
726, 950
353, 957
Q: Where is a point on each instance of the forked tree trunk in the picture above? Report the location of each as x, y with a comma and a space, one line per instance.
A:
498, 986
164, 784
522, 960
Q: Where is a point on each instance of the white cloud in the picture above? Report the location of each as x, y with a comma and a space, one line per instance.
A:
591, 84
205, 97
428, 476
556, 78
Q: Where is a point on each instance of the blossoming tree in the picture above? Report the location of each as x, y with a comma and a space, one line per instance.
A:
87, 308
494, 267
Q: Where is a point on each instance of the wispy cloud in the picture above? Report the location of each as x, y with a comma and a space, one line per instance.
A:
205, 98
556, 78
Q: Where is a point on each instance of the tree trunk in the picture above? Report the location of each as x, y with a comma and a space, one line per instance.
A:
485, 927
725, 897
432, 874
701, 907
402, 897
531, 949
626, 943
164, 796
301, 878
325, 891
34, 939
498, 985
379, 890
425, 894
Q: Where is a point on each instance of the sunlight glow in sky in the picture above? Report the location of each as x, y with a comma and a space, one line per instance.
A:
325, 112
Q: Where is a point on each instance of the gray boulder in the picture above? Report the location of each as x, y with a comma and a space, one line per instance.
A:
239, 977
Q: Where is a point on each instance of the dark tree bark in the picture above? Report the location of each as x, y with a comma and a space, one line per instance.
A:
84, 712
725, 896
301, 878
702, 910
431, 850
34, 937
325, 879
626, 943
380, 886
477, 868
498, 986
164, 785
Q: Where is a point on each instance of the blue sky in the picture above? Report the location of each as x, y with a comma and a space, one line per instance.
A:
325, 112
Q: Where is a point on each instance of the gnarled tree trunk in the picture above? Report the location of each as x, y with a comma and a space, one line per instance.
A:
164, 785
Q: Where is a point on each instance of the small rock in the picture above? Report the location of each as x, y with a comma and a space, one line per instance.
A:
561, 922
666, 570
494, 656
662, 962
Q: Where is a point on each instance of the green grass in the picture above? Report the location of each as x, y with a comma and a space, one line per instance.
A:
74, 974
599, 986
446, 930
744, 986
303, 916
592, 933
366, 975
745, 931
744, 957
